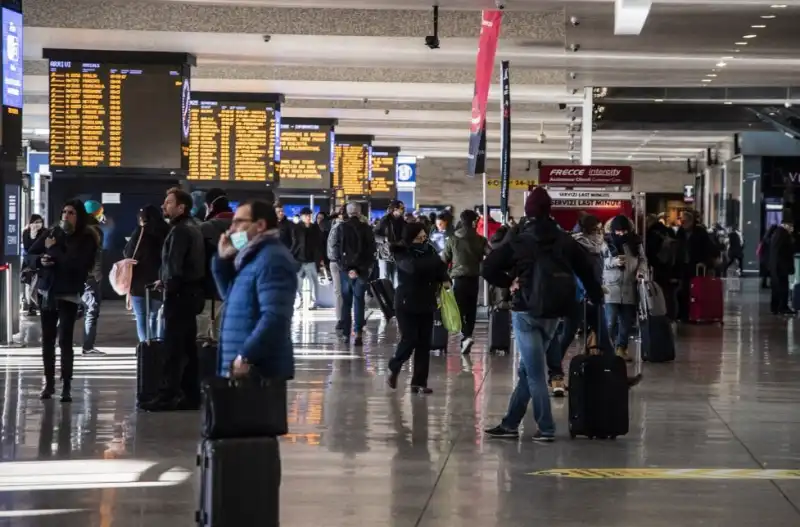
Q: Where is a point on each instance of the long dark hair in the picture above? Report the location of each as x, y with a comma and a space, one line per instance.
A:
153, 220
81, 218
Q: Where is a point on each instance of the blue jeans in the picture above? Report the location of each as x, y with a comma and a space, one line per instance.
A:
533, 336
620, 323
557, 350
91, 301
353, 303
138, 303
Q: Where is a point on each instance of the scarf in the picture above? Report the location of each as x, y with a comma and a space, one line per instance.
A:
252, 247
419, 250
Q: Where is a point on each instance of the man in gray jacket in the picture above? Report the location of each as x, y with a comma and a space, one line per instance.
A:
332, 251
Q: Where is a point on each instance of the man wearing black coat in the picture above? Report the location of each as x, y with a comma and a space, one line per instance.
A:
285, 227
781, 266
308, 249
661, 250
695, 251
389, 234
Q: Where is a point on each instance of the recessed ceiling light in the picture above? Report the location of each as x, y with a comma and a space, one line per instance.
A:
740, 43
750, 36
737, 50
705, 80
772, 113
728, 102
727, 58
778, 6
721, 64
767, 17
658, 100
758, 26
711, 75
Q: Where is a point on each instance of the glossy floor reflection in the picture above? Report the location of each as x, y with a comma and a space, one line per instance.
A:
361, 455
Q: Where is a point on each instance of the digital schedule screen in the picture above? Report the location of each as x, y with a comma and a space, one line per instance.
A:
232, 140
352, 167
382, 184
306, 155
118, 116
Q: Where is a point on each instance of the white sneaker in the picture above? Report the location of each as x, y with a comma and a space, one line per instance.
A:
466, 345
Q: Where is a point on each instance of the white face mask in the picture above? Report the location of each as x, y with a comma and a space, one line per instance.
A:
239, 240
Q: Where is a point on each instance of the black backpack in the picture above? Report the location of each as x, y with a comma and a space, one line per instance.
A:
350, 246
546, 278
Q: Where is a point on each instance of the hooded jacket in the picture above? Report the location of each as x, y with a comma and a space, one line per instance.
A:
96, 273
594, 246
183, 261
148, 253
507, 262
465, 250
388, 234
619, 281
420, 273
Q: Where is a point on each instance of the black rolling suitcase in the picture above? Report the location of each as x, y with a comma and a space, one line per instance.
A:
598, 394
439, 335
239, 482
383, 291
150, 356
208, 350
657, 339
500, 330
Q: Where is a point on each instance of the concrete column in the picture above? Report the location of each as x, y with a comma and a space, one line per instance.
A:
586, 126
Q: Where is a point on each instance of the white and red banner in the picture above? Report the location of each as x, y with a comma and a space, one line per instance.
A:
491, 20
586, 176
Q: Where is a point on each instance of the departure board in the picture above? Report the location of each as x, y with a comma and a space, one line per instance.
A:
306, 155
118, 116
233, 140
382, 184
352, 165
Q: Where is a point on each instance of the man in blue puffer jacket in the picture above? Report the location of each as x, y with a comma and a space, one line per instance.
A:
257, 277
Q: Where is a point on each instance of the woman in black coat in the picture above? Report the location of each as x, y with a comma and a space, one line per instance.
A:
62, 258
420, 273
145, 246
32, 232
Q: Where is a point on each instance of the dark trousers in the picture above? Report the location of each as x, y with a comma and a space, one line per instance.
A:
589, 316
779, 293
670, 290
684, 296
465, 289
58, 323
181, 377
415, 339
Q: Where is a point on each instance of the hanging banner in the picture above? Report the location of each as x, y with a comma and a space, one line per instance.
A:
505, 138
487, 49
586, 176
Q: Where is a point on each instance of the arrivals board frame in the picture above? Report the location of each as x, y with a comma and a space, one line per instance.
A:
98, 79
384, 152
309, 128
234, 104
349, 146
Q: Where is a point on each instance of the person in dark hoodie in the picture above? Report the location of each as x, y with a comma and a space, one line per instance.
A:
661, 250
762, 251
30, 234
464, 252
695, 249
781, 265
389, 234
539, 263
308, 248
285, 226
144, 246
218, 218
420, 273
63, 259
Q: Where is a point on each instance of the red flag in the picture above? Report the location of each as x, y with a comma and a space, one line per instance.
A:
487, 49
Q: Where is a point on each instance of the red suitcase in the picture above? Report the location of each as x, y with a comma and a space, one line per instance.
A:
706, 297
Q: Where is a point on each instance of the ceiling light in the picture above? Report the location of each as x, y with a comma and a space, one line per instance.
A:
727, 58
658, 100
758, 26
772, 113
750, 36
740, 43
705, 80
728, 102
767, 17
711, 75
778, 6
737, 50
721, 64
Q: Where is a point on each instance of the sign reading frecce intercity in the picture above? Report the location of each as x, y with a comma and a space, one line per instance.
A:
586, 176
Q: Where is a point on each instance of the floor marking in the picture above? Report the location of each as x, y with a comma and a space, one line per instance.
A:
669, 473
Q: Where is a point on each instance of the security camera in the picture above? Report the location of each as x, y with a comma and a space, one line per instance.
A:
562, 106
365, 100
432, 41
573, 75
575, 47
267, 38
541, 138
499, 4
574, 21
386, 112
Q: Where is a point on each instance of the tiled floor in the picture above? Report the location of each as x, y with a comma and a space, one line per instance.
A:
359, 455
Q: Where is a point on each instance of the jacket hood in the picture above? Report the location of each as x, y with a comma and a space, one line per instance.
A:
543, 230
226, 215
593, 244
465, 232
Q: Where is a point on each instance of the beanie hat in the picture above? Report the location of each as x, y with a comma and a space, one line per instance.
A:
93, 208
589, 223
620, 223
538, 203
410, 231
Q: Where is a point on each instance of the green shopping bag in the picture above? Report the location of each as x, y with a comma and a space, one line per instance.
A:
451, 317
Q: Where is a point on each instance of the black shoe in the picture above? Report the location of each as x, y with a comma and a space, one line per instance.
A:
501, 431
539, 438
359, 340
93, 353
392, 380
48, 390
421, 390
160, 404
32, 312
66, 392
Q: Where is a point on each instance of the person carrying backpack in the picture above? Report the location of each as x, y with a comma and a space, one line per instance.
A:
661, 251
218, 219
539, 263
353, 246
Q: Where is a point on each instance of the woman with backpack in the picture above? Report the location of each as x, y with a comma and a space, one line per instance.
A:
624, 264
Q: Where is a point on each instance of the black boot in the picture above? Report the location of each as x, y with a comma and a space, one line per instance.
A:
66, 391
49, 388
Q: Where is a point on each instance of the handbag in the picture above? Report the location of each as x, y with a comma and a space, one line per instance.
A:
121, 274
237, 408
451, 316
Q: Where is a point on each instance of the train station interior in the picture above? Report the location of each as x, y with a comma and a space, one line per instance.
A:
627, 107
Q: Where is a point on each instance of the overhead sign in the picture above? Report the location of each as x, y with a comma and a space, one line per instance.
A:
586, 176
12, 58
669, 473
588, 203
12, 220
513, 184
589, 194
406, 172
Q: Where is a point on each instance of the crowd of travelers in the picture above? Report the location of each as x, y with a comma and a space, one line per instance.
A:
252, 264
